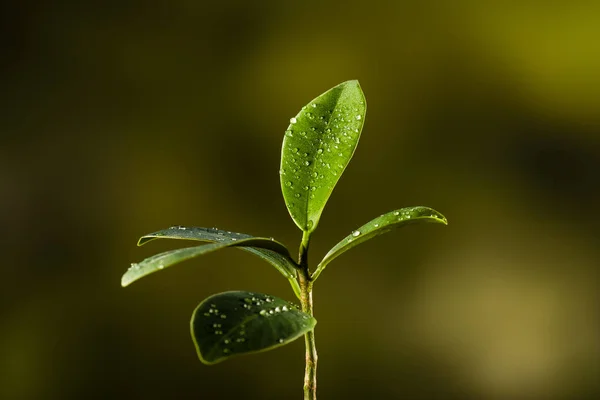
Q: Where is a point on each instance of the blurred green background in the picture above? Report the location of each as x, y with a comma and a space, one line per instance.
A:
123, 117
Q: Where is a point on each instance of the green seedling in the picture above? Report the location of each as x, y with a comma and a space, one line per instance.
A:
317, 146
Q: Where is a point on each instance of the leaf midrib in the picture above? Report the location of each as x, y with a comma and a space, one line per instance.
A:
312, 228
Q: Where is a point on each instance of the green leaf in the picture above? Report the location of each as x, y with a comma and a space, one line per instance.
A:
234, 323
172, 257
276, 254
317, 147
379, 226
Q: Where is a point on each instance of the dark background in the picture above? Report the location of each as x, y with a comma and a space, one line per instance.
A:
120, 118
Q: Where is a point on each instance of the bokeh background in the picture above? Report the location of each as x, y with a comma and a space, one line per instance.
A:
123, 117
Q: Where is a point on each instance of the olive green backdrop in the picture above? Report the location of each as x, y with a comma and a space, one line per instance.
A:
120, 118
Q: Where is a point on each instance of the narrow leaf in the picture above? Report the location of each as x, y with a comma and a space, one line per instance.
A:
317, 147
172, 257
379, 226
277, 255
234, 323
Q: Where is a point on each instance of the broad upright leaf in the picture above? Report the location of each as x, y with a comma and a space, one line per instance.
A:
278, 255
234, 323
379, 226
172, 257
317, 147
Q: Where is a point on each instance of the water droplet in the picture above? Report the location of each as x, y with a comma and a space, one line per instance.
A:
314, 105
293, 120
289, 184
271, 312
296, 150
319, 151
277, 309
226, 341
358, 117
297, 195
280, 340
263, 312
206, 314
226, 351
396, 213
305, 188
240, 340
284, 308
160, 266
305, 154
307, 163
355, 233
376, 225
223, 316
313, 188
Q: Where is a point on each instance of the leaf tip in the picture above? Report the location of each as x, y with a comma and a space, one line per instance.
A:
351, 82
125, 281
441, 219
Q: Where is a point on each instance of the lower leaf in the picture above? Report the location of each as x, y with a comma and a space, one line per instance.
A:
229, 324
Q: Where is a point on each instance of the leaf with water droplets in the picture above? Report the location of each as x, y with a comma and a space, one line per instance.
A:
317, 147
379, 226
277, 254
229, 324
172, 257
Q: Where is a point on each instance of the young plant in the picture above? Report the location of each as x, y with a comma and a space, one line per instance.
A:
317, 146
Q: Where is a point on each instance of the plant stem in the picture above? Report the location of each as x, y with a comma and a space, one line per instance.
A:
306, 285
